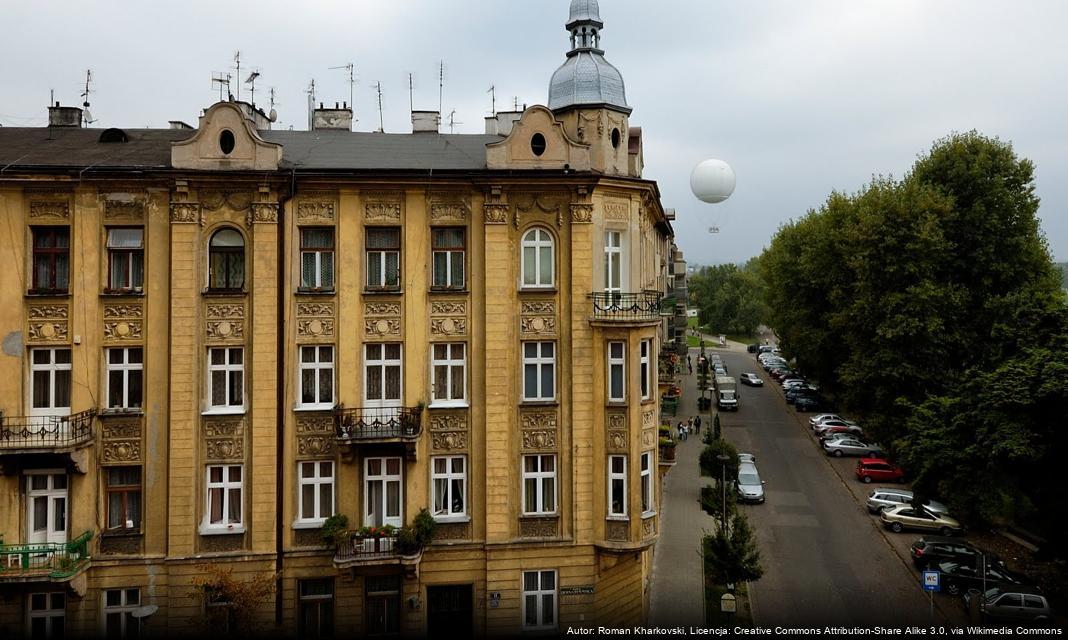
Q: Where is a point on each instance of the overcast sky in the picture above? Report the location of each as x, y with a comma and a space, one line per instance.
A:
801, 98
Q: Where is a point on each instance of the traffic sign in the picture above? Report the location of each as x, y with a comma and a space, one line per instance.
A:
931, 582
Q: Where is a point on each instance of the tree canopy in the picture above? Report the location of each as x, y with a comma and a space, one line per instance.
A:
729, 298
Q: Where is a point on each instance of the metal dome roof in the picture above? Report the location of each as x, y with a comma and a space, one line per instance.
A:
587, 78
584, 10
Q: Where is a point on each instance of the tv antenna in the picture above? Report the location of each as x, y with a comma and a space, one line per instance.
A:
515, 103
237, 61
251, 80
351, 68
441, 83
381, 125
272, 115
86, 116
452, 120
311, 105
411, 93
222, 79
493, 99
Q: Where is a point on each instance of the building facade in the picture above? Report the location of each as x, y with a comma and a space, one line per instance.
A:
217, 340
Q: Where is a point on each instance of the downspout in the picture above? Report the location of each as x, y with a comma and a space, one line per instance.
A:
280, 413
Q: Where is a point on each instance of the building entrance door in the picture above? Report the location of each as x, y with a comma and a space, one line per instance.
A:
449, 611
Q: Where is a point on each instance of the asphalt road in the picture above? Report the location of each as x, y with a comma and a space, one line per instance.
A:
824, 560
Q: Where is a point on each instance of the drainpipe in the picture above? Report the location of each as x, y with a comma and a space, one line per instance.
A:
280, 395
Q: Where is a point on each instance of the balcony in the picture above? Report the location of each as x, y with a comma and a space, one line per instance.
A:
379, 425
612, 308
46, 434
44, 562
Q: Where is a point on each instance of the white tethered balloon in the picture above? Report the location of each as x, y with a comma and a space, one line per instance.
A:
712, 181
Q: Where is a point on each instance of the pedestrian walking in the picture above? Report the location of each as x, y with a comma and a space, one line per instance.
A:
678, 430
690, 364
697, 425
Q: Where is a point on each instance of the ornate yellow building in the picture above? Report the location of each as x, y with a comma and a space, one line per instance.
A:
216, 339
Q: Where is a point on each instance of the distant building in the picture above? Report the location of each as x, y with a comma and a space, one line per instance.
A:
218, 338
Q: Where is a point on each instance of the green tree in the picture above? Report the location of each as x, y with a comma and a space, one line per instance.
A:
710, 465
731, 554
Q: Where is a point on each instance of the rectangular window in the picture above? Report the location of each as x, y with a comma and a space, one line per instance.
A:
448, 479
449, 370
447, 246
317, 377
382, 375
316, 492
613, 261
126, 259
119, 605
317, 259
383, 492
539, 600
645, 370
50, 381
224, 498
539, 485
51, 259
617, 486
315, 615
124, 498
539, 371
383, 257
226, 378
647, 483
125, 378
46, 615
617, 378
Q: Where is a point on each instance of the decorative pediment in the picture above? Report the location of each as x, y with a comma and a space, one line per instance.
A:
226, 140
538, 141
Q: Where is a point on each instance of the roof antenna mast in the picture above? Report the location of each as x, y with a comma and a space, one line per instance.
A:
223, 80
86, 116
441, 83
411, 93
252, 81
381, 125
311, 105
493, 99
237, 59
351, 68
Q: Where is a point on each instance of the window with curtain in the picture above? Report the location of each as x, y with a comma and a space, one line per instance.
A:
448, 367
448, 477
51, 259
316, 492
382, 375
224, 496
226, 261
50, 381
539, 599
126, 259
317, 259
317, 377
539, 371
125, 378
539, 485
617, 379
617, 486
447, 246
383, 257
124, 498
226, 378
537, 258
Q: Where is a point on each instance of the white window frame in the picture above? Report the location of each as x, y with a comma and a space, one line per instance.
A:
448, 477
539, 597
317, 480
319, 369
449, 363
540, 363
383, 363
449, 252
209, 528
123, 608
48, 613
647, 484
316, 281
617, 362
539, 477
125, 367
613, 254
379, 255
228, 369
51, 367
385, 478
123, 257
644, 358
613, 477
533, 242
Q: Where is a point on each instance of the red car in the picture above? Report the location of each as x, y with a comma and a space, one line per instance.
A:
878, 470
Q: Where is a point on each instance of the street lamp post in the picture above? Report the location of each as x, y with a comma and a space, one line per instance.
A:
723, 487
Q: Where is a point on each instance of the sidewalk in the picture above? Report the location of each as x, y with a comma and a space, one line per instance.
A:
678, 580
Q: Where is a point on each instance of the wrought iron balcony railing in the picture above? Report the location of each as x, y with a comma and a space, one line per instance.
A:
378, 423
366, 549
45, 432
626, 307
58, 561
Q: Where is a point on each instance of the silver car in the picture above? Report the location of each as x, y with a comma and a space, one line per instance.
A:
880, 499
850, 447
750, 487
744, 458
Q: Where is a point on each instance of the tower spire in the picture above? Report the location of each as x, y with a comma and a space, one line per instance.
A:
584, 23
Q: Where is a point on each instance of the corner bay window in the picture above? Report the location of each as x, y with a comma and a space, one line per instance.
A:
226, 261
617, 486
224, 499
448, 250
317, 259
617, 379
647, 483
383, 258
51, 259
124, 498
645, 370
126, 259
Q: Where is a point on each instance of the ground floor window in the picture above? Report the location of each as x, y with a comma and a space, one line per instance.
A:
382, 605
539, 599
315, 616
46, 615
119, 605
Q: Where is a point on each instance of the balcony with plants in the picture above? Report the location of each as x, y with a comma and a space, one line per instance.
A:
379, 546
55, 562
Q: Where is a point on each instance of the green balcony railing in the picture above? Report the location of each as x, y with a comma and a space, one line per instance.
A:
54, 560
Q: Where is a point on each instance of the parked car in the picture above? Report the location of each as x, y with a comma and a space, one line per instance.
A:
905, 516
746, 457
750, 487
878, 470
957, 577
751, 379
880, 499
837, 432
1012, 604
752, 348
809, 403
823, 417
789, 382
849, 446
830, 424
793, 394
720, 372
930, 550
781, 374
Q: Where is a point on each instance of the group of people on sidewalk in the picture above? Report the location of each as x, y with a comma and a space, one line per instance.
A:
691, 425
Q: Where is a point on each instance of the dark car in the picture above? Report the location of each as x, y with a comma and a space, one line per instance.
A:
805, 390
931, 550
810, 403
1012, 604
957, 578
752, 348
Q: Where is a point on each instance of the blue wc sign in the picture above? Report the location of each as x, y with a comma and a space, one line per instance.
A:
931, 581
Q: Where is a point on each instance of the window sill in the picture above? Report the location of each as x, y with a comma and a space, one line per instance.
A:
316, 292
122, 293
539, 516
309, 524
224, 530
449, 290
310, 408
239, 411
617, 518
47, 293
120, 413
533, 289
540, 403
384, 292
452, 519
225, 293
121, 533
648, 514
616, 404
463, 404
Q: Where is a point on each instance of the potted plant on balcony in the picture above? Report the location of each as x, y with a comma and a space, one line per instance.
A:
335, 530
407, 544
667, 448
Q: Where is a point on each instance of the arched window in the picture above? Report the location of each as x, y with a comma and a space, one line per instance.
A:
226, 261
538, 258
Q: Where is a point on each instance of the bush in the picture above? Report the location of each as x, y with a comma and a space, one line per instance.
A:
712, 502
335, 530
407, 543
710, 465
424, 525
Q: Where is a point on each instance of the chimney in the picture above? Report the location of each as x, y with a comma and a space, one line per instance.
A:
501, 125
425, 121
338, 117
64, 116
